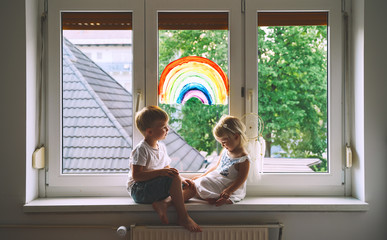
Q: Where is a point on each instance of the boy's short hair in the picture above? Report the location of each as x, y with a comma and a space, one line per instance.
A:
146, 117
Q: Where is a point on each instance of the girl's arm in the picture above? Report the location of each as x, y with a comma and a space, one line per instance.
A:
209, 170
243, 172
140, 175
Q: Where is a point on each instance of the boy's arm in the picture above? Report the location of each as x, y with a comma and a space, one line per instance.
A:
241, 178
140, 175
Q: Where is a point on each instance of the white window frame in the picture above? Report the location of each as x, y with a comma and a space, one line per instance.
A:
235, 73
236, 102
242, 73
58, 184
330, 183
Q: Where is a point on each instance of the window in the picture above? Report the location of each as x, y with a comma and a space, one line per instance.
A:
96, 99
199, 18
90, 100
232, 45
193, 67
292, 90
303, 123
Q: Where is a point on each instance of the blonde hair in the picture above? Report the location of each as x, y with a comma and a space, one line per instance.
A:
147, 116
228, 126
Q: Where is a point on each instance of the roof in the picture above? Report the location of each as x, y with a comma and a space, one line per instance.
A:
97, 121
184, 157
289, 165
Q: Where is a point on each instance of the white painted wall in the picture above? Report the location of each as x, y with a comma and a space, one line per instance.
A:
357, 109
18, 48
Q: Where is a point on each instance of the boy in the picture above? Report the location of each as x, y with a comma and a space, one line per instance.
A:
151, 180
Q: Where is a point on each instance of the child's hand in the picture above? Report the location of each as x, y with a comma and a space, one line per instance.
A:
225, 194
187, 183
224, 198
169, 172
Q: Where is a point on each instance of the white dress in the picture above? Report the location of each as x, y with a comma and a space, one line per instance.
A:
213, 184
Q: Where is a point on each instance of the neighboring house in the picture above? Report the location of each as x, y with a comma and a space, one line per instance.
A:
97, 121
112, 51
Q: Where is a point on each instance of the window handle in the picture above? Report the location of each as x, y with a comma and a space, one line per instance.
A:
138, 99
250, 99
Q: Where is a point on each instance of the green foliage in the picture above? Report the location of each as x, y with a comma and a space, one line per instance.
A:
292, 73
194, 121
197, 124
175, 44
322, 167
173, 111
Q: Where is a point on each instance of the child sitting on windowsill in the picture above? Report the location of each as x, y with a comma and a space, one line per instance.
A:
225, 183
151, 180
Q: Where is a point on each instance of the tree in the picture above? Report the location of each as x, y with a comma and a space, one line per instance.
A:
292, 73
211, 44
197, 123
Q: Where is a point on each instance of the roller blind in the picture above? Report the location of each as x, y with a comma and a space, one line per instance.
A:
193, 20
292, 18
97, 21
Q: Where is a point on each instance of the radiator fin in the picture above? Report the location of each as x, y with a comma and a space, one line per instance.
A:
234, 232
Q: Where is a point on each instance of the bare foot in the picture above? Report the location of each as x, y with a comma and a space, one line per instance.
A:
161, 208
222, 201
189, 192
189, 224
211, 200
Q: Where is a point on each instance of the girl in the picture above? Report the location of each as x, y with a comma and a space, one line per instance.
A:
225, 183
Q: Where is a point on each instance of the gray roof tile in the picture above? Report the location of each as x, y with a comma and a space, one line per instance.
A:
97, 121
88, 142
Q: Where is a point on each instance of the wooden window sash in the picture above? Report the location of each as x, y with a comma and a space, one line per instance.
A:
292, 19
97, 21
185, 20
193, 21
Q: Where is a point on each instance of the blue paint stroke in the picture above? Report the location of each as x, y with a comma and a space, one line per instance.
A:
194, 86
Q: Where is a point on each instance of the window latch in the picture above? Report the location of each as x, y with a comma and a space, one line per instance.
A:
348, 156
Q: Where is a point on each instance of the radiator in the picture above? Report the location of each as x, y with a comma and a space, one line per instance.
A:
224, 232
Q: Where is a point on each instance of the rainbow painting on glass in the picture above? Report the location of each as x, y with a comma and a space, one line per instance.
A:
193, 77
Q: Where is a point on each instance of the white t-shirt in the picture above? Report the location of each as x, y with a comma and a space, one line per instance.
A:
148, 157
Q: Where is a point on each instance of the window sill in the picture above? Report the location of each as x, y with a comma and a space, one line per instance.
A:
258, 204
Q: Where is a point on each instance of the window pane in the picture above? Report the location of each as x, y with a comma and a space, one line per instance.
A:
293, 90
193, 84
96, 92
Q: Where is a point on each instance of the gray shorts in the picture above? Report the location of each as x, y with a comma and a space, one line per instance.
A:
151, 191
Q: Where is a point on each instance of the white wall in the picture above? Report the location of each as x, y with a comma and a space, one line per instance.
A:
375, 111
13, 109
17, 143
357, 109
